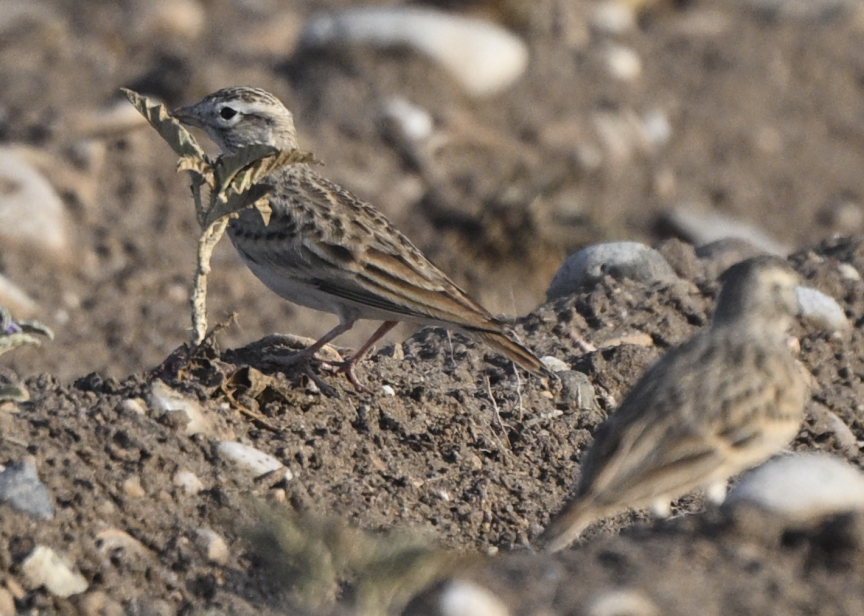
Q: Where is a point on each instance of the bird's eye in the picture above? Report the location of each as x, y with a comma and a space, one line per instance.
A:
227, 113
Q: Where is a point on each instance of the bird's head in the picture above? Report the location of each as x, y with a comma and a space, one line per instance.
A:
240, 116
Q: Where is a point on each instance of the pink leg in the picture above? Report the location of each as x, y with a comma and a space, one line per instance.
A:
348, 366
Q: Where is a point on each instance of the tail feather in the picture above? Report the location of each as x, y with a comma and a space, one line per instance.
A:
511, 349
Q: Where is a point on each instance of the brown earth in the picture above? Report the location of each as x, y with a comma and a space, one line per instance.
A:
766, 115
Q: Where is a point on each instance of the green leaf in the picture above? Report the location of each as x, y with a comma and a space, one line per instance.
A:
168, 128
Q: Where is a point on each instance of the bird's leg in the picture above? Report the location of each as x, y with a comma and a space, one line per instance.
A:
308, 353
348, 366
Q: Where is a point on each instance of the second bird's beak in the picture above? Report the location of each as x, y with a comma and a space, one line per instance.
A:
188, 116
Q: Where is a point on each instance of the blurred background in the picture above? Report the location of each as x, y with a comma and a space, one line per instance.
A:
499, 135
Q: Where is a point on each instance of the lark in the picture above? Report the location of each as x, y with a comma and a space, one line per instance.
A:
327, 249
724, 401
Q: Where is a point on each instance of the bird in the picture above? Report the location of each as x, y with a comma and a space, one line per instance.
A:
722, 402
327, 249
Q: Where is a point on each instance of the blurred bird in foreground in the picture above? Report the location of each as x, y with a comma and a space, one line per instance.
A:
724, 401
326, 249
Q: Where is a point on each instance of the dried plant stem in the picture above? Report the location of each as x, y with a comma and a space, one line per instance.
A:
206, 243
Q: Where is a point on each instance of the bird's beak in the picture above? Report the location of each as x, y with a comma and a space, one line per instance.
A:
188, 116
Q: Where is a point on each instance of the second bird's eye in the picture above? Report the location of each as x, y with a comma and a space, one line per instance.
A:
227, 113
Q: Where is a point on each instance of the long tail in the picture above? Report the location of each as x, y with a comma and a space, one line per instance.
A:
565, 527
511, 349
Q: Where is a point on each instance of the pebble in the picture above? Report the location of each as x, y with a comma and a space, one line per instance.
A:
405, 120
44, 567
132, 487
848, 272
822, 309
463, 598
484, 58
178, 409
554, 364
802, 487
702, 226
622, 602
613, 17
577, 387
118, 118
248, 458
617, 259
112, 539
21, 489
97, 603
622, 62
7, 603
15, 299
188, 482
388, 390
31, 212
132, 406
212, 546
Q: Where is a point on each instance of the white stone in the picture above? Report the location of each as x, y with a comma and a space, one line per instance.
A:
411, 121
388, 390
164, 400
483, 57
820, 308
701, 225
463, 598
15, 299
113, 539
31, 212
848, 272
212, 546
554, 364
622, 602
44, 567
617, 259
131, 405
622, 62
802, 487
248, 458
613, 17
188, 481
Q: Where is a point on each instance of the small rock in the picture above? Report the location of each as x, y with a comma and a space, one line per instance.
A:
15, 299
112, 539
825, 423
622, 602
701, 225
177, 409
120, 117
133, 406
405, 120
463, 598
483, 57
31, 212
21, 489
718, 256
577, 387
617, 259
394, 350
848, 272
388, 390
802, 487
822, 309
554, 364
188, 482
149, 606
622, 62
97, 603
132, 487
44, 567
7, 603
212, 546
248, 458
613, 17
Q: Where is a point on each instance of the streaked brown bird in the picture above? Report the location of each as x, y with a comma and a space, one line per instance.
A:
326, 249
724, 401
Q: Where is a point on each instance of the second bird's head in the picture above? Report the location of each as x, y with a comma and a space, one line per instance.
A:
758, 294
239, 116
